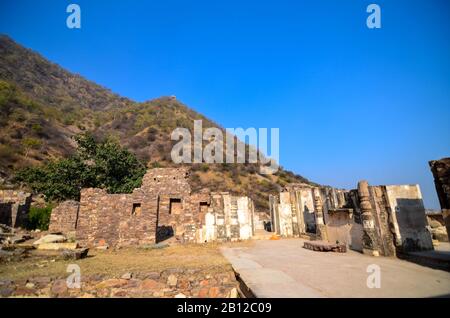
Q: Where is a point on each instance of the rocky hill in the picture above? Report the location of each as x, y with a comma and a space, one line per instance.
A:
42, 106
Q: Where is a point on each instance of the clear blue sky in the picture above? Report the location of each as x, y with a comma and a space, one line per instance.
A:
351, 103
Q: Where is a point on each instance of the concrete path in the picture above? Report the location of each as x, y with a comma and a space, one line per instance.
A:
284, 269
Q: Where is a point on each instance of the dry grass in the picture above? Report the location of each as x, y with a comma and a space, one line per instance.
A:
114, 263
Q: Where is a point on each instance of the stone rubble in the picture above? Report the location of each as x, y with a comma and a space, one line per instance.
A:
171, 283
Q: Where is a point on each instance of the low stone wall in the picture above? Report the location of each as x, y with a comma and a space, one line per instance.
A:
64, 217
162, 208
170, 283
14, 207
116, 219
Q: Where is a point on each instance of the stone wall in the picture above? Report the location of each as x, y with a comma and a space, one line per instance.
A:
162, 208
116, 219
64, 217
300, 208
261, 221
377, 220
14, 207
441, 174
228, 218
408, 216
339, 227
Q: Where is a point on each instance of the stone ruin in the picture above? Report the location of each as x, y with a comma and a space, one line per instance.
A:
161, 208
14, 208
441, 173
376, 220
437, 226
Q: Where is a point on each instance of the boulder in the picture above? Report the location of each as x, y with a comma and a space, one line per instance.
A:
434, 224
75, 254
234, 293
110, 283
172, 280
51, 238
151, 284
440, 234
30, 285
15, 239
127, 276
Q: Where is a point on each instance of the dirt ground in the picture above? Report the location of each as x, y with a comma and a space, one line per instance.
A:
114, 263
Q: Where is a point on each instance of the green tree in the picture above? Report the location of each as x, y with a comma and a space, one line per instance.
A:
39, 218
30, 143
103, 164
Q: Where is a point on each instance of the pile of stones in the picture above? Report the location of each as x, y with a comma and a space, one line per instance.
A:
171, 283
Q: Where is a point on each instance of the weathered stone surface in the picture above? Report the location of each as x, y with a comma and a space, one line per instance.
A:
75, 254
322, 246
14, 208
172, 280
127, 275
234, 293
113, 282
41, 282
59, 287
6, 291
151, 275
57, 246
214, 292
377, 220
50, 238
64, 217
441, 173
440, 234
150, 284
16, 239
203, 292
188, 285
161, 208
24, 291
30, 285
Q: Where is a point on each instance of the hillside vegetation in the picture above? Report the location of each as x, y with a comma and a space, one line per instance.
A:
42, 106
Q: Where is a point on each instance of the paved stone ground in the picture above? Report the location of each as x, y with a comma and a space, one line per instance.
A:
285, 269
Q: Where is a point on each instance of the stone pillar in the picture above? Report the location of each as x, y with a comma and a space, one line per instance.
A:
321, 231
370, 245
441, 174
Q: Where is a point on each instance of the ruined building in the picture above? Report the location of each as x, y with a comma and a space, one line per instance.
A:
161, 208
376, 220
14, 207
441, 173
